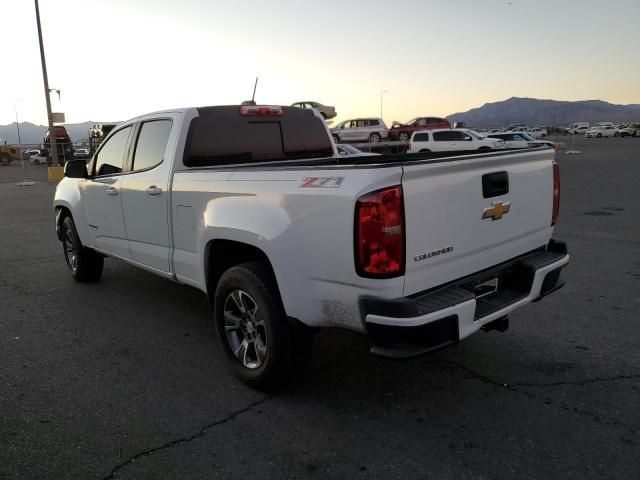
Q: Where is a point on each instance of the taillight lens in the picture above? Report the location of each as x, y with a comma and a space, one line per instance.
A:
556, 193
380, 233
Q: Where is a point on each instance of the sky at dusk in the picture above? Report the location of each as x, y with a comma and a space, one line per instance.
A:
116, 59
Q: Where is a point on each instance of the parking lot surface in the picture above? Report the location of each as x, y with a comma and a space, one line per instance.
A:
124, 378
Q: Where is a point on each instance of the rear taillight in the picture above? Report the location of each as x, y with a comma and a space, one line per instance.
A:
379, 229
556, 193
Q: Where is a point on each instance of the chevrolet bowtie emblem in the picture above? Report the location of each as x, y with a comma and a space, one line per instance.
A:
497, 211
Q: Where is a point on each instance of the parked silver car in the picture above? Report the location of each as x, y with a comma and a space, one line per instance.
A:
360, 130
326, 112
351, 151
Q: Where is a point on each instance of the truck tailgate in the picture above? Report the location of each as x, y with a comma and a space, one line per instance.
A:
456, 227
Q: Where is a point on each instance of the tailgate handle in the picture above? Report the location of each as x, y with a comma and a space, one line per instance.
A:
495, 184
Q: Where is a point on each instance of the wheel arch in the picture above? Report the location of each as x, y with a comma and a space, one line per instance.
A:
221, 254
62, 210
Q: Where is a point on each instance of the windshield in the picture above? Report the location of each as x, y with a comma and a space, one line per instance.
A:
475, 134
526, 136
412, 121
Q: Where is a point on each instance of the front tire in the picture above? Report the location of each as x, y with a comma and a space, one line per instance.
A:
254, 332
599, 135
374, 138
84, 264
336, 139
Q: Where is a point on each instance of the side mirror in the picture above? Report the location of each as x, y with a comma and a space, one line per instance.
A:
76, 169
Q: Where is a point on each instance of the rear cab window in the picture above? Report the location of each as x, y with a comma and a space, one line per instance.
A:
221, 135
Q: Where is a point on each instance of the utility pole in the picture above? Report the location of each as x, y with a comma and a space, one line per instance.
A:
52, 136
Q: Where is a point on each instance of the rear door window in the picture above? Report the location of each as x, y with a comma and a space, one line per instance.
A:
443, 136
151, 145
421, 137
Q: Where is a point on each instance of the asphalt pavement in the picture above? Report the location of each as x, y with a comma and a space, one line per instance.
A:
124, 379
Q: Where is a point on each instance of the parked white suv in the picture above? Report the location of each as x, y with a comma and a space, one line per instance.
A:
454, 139
360, 130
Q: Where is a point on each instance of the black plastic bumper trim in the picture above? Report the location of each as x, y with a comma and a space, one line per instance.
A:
405, 342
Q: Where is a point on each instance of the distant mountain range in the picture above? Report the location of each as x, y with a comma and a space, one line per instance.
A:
532, 111
31, 133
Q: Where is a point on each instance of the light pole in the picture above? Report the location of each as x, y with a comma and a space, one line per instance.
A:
15, 108
45, 78
382, 92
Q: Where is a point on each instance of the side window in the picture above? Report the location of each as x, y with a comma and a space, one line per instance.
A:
360, 123
421, 137
374, 123
442, 136
109, 160
456, 136
151, 144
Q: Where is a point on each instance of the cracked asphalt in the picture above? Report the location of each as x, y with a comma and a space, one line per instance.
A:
124, 379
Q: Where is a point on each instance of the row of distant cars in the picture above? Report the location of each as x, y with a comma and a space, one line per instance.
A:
36, 156
460, 139
604, 129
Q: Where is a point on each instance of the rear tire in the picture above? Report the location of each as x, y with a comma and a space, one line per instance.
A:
599, 135
424, 150
616, 134
336, 139
265, 350
84, 264
403, 137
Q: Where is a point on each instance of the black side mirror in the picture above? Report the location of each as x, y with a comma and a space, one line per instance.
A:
76, 169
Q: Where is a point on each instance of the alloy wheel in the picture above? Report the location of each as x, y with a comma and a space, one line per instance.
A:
70, 250
245, 329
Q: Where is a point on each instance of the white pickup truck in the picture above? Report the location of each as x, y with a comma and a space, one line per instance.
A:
253, 206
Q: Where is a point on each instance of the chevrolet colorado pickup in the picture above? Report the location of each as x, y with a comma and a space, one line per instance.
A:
253, 206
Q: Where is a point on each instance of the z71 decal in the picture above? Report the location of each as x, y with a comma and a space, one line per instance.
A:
321, 182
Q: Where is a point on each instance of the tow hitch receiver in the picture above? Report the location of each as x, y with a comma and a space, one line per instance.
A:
486, 288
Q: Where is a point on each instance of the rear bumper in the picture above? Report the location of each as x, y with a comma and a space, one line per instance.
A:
412, 326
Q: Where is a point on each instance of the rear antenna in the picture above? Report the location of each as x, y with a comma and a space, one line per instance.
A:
253, 97
252, 102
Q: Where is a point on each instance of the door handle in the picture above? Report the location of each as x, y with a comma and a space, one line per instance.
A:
153, 190
112, 191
